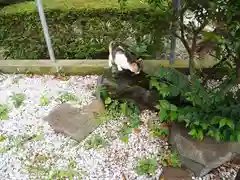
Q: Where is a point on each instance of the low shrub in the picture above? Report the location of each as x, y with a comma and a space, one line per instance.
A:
205, 112
83, 33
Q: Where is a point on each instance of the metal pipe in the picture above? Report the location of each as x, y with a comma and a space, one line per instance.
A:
176, 6
45, 29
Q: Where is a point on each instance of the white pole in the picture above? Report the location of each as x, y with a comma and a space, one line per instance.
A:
45, 30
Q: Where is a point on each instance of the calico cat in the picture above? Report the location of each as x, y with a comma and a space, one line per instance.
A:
123, 59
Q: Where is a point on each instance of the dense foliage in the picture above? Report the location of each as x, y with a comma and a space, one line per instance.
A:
214, 113
80, 34
203, 111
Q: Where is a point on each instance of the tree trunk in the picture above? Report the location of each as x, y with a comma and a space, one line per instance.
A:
191, 65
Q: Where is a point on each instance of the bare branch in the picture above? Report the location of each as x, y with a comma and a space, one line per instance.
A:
184, 41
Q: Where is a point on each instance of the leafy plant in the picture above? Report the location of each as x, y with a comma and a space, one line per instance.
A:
205, 112
167, 111
3, 112
146, 166
95, 142
67, 96
44, 101
117, 108
169, 158
124, 132
18, 99
2, 138
159, 132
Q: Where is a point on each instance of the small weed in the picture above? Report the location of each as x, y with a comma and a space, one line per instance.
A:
174, 159
72, 164
3, 112
146, 166
18, 99
19, 141
2, 138
40, 158
170, 159
159, 132
62, 76
38, 137
64, 174
44, 101
95, 142
124, 132
36, 168
67, 96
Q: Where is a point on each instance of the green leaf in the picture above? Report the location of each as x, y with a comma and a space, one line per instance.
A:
163, 115
165, 104
108, 101
222, 122
173, 115
154, 83
238, 137
39, 137
2, 138
124, 138
193, 132
210, 133
173, 107
232, 138
218, 136
197, 123
215, 120
124, 108
230, 123
200, 135
204, 126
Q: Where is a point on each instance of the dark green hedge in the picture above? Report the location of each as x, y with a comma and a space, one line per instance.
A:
80, 34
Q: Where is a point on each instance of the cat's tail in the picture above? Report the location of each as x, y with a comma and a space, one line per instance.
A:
110, 56
110, 46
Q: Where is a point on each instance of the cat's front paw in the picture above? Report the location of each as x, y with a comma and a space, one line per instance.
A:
119, 68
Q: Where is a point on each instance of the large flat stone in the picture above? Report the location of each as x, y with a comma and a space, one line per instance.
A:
200, 156
73, 121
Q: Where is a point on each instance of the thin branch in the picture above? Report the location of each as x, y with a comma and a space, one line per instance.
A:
184, 41
202, 26
182, 36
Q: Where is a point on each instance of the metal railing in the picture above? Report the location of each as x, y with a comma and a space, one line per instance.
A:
45, 30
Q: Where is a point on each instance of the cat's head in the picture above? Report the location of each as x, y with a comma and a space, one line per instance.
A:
137, 66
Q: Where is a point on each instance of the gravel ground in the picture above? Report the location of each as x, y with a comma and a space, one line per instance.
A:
29, 149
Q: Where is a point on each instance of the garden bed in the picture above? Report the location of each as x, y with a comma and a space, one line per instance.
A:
31, 149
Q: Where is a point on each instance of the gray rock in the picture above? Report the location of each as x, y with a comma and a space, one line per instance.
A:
201, 156
238, 175
133, 88
75, 122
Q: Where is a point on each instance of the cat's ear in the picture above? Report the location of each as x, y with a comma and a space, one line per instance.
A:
140, 61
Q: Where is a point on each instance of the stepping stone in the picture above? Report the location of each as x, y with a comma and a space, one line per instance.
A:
171, 173
75, 122
201, 157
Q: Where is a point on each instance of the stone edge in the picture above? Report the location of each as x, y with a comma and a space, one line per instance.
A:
75, 67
